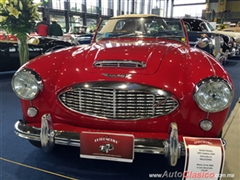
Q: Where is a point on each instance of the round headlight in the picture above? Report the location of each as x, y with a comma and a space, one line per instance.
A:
213, 95
26, 84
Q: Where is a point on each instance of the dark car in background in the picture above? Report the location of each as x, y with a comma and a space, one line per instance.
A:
9, 55
196, 27
85, 38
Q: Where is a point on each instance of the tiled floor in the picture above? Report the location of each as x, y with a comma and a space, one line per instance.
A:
231, 133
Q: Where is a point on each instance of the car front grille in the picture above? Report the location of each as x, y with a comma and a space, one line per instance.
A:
118, 101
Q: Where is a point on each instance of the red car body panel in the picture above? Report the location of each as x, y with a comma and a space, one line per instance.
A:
8, 37
13, 38
170, 65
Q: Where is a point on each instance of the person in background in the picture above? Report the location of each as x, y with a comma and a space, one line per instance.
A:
42, 27
55, 29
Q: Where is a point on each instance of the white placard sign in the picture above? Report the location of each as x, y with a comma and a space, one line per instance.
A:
204, 158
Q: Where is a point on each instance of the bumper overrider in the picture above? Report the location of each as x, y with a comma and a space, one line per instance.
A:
171, 147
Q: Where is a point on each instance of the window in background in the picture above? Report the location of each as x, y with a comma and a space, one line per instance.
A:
37, 1
110, 8
125, 6
104, 8
60, 20
115, 8
76, 5
146, 7
91, 25
139, 6
92, 7
58, 4
158, 7
122, 6
192, 10
130, 6
75, 21
169, 9
156, 4
188, 1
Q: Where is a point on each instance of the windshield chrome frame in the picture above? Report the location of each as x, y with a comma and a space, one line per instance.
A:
180, 20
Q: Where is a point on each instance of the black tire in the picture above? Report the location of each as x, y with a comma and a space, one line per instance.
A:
36, 143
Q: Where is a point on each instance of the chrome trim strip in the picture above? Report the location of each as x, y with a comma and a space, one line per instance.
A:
114, 103
151, 146
193, 42
117, 75
120, 86
47, 133
171, 148
174, 146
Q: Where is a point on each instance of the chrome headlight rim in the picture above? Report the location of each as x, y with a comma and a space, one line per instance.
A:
213, 80
35, 76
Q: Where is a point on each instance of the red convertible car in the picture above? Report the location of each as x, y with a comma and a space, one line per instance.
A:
137, 88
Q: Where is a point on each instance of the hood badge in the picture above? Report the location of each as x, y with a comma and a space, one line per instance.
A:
117, 75
161, 103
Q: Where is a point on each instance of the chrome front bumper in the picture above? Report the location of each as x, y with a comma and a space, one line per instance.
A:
171, 148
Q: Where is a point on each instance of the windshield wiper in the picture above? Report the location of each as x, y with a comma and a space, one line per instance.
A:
128, 34
136, 33
162, 33
171, 36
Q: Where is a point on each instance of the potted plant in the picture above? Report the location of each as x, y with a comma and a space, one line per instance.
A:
18, 17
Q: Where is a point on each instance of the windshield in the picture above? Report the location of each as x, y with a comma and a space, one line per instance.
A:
210, 26
150, 26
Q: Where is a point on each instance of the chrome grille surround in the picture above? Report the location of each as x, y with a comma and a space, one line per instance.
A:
118, 100
118, 63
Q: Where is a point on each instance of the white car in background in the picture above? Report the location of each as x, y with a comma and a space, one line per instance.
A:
231, 31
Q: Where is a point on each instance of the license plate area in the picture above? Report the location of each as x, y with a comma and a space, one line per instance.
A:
107, 146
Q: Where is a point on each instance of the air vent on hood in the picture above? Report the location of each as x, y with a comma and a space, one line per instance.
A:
122, 64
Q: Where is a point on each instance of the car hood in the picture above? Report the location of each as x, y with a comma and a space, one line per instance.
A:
159, 59
176, 69
131, 56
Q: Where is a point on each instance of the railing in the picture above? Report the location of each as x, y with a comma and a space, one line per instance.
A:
77, 7
107, 12
222, 16
58, 4
92, 9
